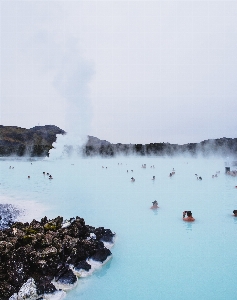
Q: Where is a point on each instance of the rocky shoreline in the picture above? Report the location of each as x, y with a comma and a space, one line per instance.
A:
42, 259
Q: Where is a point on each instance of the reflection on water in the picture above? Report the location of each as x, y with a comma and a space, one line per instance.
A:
188, 226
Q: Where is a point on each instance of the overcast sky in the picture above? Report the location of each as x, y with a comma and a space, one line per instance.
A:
123, 71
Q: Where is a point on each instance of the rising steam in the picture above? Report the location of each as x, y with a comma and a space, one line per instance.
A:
72, 82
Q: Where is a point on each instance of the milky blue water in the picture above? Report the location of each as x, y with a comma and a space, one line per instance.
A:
156, 255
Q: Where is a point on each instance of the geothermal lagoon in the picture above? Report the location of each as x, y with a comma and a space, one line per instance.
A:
156, 254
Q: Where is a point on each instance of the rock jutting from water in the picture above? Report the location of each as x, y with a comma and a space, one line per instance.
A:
43, 259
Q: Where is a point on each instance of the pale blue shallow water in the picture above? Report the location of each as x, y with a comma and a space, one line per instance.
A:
156, 254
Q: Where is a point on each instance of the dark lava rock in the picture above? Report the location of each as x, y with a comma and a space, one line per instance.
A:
104, 235
83, 265
6, 290
61, 269
101, 254
43, 251
67, 277
17, 266
44, 286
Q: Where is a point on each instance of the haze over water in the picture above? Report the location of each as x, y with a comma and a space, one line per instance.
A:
156, 255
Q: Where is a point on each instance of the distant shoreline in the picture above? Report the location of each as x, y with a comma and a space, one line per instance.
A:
37, 142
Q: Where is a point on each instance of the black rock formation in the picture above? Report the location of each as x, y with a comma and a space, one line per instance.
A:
101, 255
83, 265
44, 250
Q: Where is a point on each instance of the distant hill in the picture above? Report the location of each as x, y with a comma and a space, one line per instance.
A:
37, 141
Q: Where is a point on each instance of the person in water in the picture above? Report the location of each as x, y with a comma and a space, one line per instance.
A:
155, 205
189, 217
132, 179
235, 212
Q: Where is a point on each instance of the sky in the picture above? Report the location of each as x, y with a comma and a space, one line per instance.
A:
123, 71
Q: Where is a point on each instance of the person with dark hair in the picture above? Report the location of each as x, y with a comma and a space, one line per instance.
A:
155, 205
189, 217
235, 212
